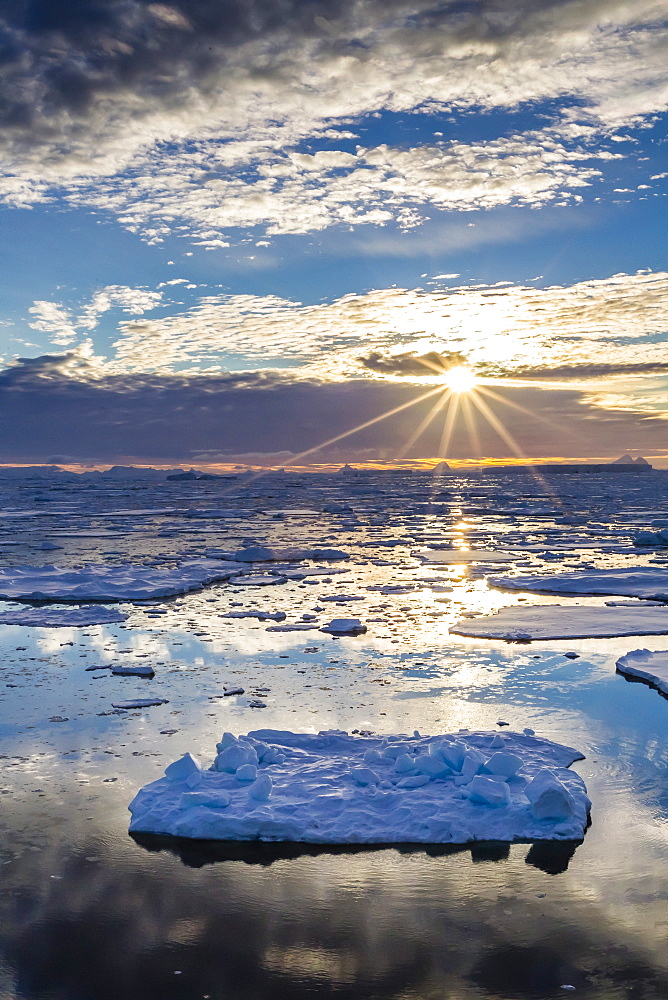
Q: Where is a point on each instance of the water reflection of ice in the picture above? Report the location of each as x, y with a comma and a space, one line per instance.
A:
475, 924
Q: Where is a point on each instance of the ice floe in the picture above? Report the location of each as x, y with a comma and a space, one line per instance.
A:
464, 555
344, 626
646, 665
557, 621
262, 553
337, 788
638, 581
98, 582
139, 702
62, 617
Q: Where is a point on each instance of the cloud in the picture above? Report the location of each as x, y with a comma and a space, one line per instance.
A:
54, 318
215, 101
66, 405
582, 331
409, 363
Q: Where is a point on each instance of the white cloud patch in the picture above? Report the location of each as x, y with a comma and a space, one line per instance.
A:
590, 333
65, 327
189, 110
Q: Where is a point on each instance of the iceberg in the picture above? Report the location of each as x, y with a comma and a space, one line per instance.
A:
336, 788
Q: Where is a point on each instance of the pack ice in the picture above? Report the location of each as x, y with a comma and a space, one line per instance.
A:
335, 788
97, 582
646, 665
62, 617
558, 621
640, 581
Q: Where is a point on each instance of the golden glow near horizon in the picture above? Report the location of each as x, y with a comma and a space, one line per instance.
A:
460, 379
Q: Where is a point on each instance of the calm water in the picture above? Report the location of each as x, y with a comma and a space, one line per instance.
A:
88, 912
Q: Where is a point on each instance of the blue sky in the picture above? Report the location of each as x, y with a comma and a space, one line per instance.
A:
295, 202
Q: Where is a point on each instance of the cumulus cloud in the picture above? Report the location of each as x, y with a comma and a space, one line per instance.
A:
216, 100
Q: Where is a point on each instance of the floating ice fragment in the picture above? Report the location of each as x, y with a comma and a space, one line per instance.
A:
62, 617
557, 621
138, 670
140, 703
344, 626
646, 665
393, 807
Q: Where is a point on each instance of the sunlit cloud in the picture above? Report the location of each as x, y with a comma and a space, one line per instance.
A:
171, 114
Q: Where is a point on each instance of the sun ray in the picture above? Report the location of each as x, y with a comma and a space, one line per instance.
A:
469, 419
348, 433
504, 433
424, 423
523, 409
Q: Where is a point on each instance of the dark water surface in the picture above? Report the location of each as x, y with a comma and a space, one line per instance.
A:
88, 913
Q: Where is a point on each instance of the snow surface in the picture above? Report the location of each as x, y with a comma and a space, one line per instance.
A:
336, 788
646, 665
557, 621
639, 581
97, 582
62, 617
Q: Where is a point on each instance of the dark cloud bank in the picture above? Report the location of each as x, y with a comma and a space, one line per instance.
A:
47, 412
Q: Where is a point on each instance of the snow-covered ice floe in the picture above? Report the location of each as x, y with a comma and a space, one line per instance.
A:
557, 621
334, 788
646, 665
464, 555
639, 581
98, 582
62, 617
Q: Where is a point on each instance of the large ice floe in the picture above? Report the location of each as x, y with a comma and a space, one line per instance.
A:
62, 617
638, 581
646, 665
336, 788
557, 621
98, 582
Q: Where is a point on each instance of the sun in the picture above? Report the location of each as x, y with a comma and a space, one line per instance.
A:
460, 379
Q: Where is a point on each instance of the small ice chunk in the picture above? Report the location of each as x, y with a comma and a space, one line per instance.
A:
344, 626
247, 772
261, 788
549, 798
488, 792
233, 757
504, 764
432, 765
404, 764
472, 764
139, 703
181, 769
414, 781
364, 776
453, 754
138, 670
372, 756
